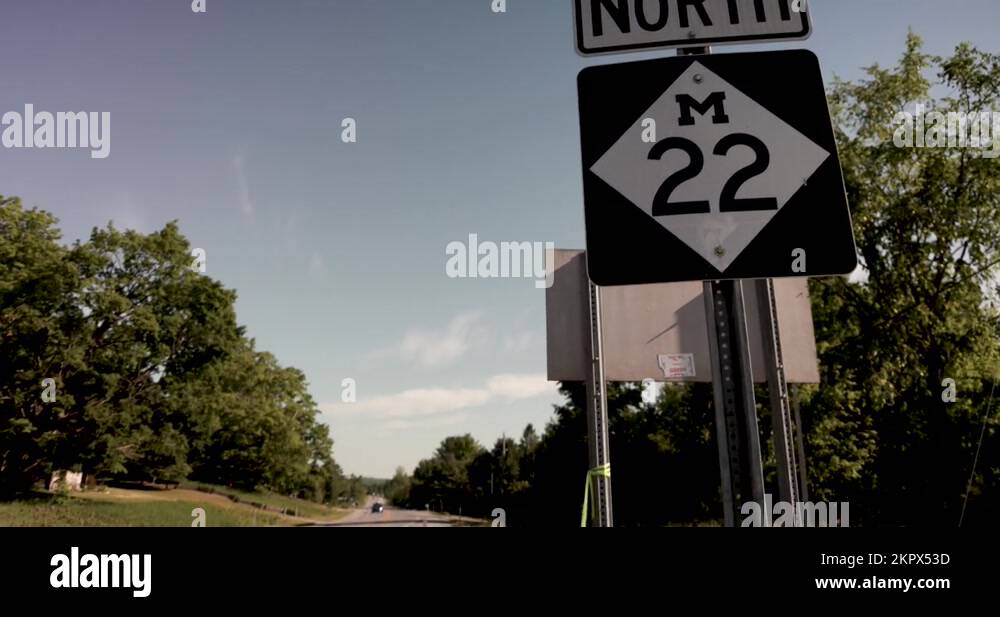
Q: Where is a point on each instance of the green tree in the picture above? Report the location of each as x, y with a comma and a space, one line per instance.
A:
927, 222
37, 283
154, 379
253, 425
442, 482
149, 321
397, 489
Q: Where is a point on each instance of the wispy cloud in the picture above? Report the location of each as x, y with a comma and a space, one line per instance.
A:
516, 387
418, 402
426, 402
317, 266
241, 182
435, 348
518, 342
126, 213
402, 425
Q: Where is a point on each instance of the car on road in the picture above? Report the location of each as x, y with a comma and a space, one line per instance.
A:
377, 508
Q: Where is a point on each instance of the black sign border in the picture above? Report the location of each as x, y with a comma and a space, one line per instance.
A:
841, 260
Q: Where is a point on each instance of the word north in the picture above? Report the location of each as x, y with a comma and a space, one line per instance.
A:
65, 129
102, 571
506, 260
626, 16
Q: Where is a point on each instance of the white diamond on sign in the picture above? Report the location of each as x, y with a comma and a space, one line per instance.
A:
721, 168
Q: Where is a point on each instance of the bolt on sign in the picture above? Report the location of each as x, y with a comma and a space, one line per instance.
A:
609, 26
711, 167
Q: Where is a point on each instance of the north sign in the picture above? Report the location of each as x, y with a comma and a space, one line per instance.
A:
610, 26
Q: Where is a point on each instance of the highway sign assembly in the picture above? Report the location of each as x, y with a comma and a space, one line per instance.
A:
610, 26
711, 167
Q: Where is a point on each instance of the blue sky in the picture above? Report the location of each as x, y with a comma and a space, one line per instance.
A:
230, 122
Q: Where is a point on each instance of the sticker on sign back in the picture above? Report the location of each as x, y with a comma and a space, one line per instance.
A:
676, 366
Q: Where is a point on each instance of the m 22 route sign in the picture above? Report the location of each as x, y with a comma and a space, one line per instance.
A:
609, 26
711, 167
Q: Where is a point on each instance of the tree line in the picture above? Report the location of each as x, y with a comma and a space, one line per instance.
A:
118, 358
903, 424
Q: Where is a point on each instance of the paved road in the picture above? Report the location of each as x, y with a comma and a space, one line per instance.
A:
390, 517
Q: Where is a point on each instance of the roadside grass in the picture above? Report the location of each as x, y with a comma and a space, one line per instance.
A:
117, 507
273, 502
109, 510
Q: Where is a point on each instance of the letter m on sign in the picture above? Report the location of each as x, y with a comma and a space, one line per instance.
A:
714, 101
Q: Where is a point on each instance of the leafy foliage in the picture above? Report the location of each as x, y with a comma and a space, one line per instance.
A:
927, 222
154, 380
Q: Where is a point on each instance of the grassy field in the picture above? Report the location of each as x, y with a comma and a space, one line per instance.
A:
273, 501
113, 507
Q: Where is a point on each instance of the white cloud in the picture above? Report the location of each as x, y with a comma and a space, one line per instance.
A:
434, 348
317, 266
860, 274
422, 402
425, 402
402, 425
518, 342
126, 213
516, 387
651, 390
